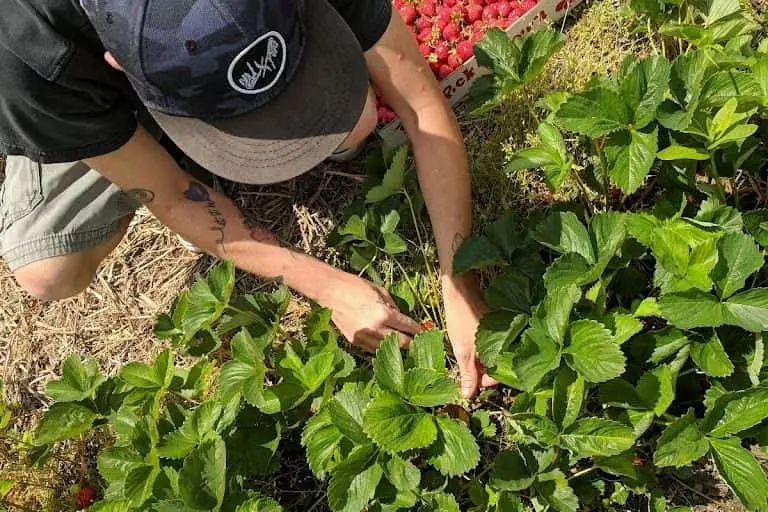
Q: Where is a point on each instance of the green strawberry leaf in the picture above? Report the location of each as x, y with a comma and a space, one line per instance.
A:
756, 222
322, 439
498, 52
346, 413
692, 308
748, 310
739, 259
596, 436
677, 152
393, 179
532, 360
643, 85
536, 50
630, 157
563, 232
428, 388
63, 421
403, 474
397, 426
554, 490
426, 351
202, 479
154, 377
138, 484
197, 428
115, 463
354, 482
567, 270
79, 380
656, 389
595, 112
388, 365
455, 452
681, 443
741, 471
593, 352
496, 332
245, 378
476, 253
735, 413
567, 397
711, 357
510, 472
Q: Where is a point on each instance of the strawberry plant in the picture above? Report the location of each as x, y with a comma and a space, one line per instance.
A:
636, 349
681, 116
182, 438
370, 436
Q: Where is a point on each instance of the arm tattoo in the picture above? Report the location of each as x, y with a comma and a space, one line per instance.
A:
198, 193
458, 240
141, 195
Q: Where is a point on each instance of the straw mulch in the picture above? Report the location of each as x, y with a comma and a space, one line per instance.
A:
112, 320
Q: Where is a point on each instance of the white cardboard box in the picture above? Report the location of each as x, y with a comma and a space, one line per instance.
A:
456, 85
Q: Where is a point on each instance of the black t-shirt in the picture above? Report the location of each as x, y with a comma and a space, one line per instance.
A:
61, 102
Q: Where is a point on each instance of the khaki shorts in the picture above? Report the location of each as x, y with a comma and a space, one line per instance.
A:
49, 210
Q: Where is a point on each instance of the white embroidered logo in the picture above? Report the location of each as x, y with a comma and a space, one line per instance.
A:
258, 67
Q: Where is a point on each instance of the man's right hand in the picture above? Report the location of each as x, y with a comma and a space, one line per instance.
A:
365, 313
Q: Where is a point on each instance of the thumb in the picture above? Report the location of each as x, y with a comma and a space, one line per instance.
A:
468, 373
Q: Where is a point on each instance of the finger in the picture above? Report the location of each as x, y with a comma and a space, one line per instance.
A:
403, 323
468, 373
367, 341
486, 381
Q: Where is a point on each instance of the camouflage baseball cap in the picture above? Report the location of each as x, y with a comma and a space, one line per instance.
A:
256, 91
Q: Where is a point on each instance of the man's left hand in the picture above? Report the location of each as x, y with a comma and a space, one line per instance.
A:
464, 307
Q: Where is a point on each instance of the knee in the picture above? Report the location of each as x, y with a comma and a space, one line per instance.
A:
54, 280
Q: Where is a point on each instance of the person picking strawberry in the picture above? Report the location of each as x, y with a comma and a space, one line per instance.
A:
256, 92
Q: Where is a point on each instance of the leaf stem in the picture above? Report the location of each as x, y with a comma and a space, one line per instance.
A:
582, 472
584, 193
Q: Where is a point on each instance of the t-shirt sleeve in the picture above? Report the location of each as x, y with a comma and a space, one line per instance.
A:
368, 19
73, 110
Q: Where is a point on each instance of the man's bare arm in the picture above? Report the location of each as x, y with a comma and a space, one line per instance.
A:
401, 74
399, 71
213, 222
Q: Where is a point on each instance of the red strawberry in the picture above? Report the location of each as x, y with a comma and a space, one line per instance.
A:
474, 12
427, 325
423, 23
490, 13
427, 8
442, 51
426, 35
451, 32
397, 3
425, 49
408, 13
504, 8
479, 26
442, 20
528, 5
455, 61
450, 3
444, 70
464, 50
85, 497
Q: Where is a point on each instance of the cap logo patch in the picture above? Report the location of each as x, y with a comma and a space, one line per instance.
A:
258, 68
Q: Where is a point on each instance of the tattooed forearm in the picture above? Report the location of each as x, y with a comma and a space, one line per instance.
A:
198, 193
141, 195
